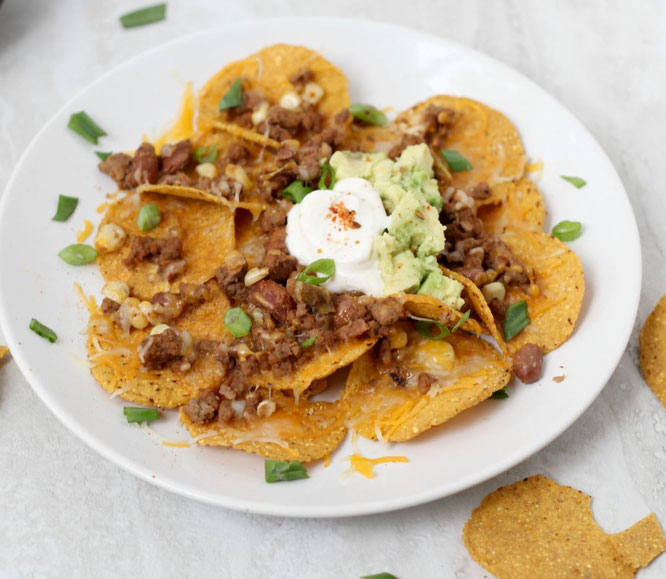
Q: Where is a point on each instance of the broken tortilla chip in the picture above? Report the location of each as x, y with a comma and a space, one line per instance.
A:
429, 307
306, 431
554, 298
387, 403
653, 350
116, 364
538, 528
267, 75
206, 229
516, 204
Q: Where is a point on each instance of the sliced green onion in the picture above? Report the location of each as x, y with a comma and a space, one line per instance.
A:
234, 96
431, 329
237, 322
368, 114
83, 125
43, 331
461, 321
296, 191
149, 217
206, 154
577, 182
327, 174
279, 470
515, 320
309, 342
568, 230
144, 16
78, 254
66, 206
326, 267
380, 576
103, 156
500, 394
455, 160
134, 414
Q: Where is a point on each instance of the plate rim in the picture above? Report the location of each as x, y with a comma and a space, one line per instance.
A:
329, 511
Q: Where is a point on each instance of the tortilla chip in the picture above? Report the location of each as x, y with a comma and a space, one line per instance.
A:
306, 431
653, 350
555, 297
250, 237
424, 306
538, 528
371, 139
117, 369
468, 370
207, 231
516, 204
4, 350
322, 365
484, 136
246, 134
253, 207
270, 71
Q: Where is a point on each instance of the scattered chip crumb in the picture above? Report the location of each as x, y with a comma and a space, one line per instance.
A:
538, 528
559, 379
653, 350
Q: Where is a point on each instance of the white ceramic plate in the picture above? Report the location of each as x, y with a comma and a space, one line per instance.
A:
386, 66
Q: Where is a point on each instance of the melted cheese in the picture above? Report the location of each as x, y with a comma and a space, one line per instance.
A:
85, 232
365, 466
183, 126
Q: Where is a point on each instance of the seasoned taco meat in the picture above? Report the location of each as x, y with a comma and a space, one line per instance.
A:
162, 350
203, 408
118, 166
108, 306
176, 157
230, 276
273, 298
280, 265
158, 250
145, 164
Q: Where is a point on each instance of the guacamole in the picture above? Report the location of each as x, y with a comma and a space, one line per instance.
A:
407, 250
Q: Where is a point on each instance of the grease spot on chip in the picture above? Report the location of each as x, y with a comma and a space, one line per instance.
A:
653, 350
538, 528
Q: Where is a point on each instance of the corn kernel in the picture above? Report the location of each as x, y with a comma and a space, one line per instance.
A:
290, 101
266, 408
312, 93
136, 316
259, 114
207, 170
117, 291
237, 173
494, 290
110, 237
157, 330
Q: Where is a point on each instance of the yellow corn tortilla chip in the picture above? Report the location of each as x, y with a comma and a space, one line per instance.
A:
270, 71
4, 350
306, 431
321, 366
555, 297
116, 362
246, 134
371, 139
253, 207
467, 371
424, 306
516, 204
538, 528
653, 350
207, 231
484, 136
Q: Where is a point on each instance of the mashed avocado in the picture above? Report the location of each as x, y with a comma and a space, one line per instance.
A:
407, 250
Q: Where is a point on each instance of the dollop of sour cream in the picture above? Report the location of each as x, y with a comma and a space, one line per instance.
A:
341, 224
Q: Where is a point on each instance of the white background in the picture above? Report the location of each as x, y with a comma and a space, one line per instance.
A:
64, 511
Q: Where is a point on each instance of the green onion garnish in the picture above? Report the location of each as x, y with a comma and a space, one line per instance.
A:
78, 254
368, 114
103, 156
134, 414
327, 174
66, 206
577, 182
461, 321
149, 217
296, 191
279, 470
234, 96
309, 342
144, 16
379, 576
326, 267
205, 154
455, 160
42, 330
567, 230
82, 124
500, 394
431, 329
515, 320
237, 322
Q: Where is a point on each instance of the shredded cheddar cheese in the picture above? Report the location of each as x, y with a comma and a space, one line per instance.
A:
365, 466
83, 234
183, 126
